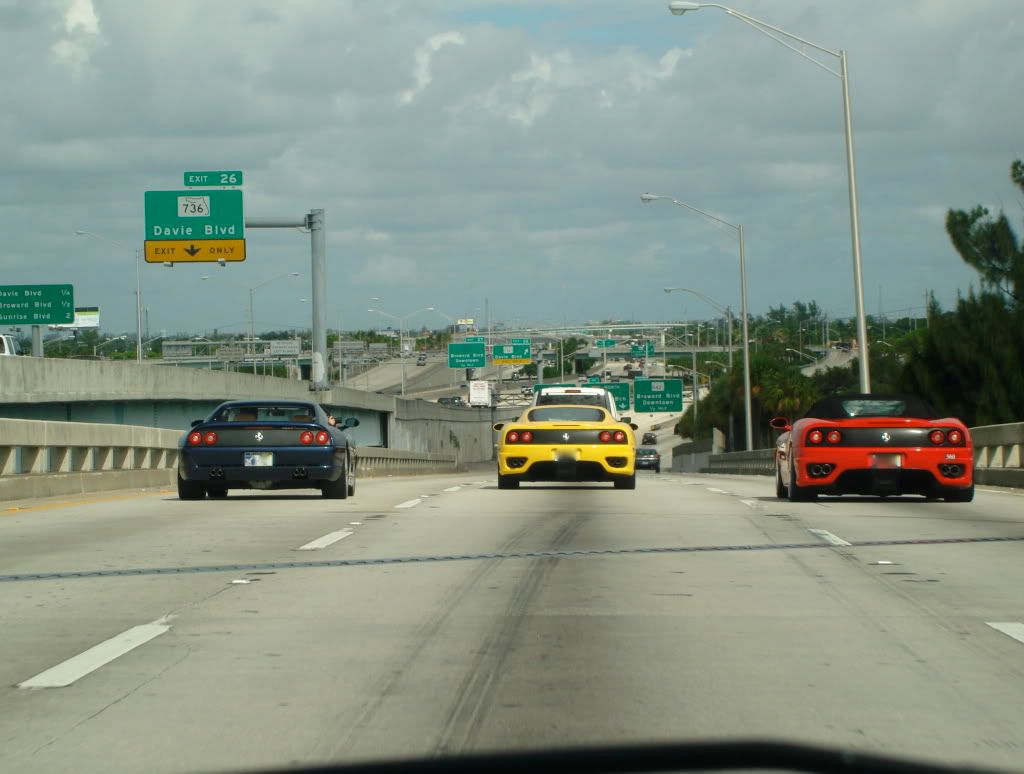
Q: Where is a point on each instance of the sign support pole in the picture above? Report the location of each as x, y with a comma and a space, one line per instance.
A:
37, 341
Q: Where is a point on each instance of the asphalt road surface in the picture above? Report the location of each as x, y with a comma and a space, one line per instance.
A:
205, 638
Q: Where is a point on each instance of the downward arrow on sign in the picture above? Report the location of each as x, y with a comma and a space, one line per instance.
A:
192, 250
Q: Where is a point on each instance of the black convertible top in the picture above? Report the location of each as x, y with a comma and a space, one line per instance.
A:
871, 405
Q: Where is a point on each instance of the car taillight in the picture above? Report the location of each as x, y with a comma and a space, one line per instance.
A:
936, 437
210, 438
323, 437
512, 437
526, 437
834, 436
955, 437
619, 437
306, 437
814, 436
194, 439
605, 436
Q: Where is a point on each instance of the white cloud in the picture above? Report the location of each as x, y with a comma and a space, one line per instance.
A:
81, 26
421, 73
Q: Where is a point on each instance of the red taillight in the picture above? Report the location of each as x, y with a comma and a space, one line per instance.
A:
814, 436
306, 437
210, 438
605, 436
936, 437
512, 437
526, 437
834, 436
323, 437
619, 437
194, 439
955, 437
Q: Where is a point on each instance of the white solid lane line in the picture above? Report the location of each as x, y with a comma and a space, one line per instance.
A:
326, 540
452, 489
828, 537
1010, 629
410, 503
90, 660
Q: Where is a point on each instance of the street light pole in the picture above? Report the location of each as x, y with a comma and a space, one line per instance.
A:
678, 8
138, 288
649, 197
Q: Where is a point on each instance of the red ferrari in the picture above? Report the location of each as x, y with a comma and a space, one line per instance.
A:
879, 445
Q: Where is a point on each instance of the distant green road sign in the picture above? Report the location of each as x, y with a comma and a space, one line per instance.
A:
194, 215
604, 343
527, 342
37, 304
213, 179
619, 391
644, 350
511, 354
470, 355
476, 339
650, 395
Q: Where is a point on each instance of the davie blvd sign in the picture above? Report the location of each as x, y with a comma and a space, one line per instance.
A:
194, 226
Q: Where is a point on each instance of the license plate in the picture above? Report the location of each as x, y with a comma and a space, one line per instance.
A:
887, 460
258, 459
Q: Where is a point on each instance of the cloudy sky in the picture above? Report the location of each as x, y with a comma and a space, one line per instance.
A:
469, 150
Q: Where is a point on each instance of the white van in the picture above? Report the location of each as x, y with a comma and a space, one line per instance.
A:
580, 396
9, 345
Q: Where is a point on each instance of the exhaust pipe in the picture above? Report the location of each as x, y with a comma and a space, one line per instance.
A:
300, 473
217, 473
814, 470
826, 469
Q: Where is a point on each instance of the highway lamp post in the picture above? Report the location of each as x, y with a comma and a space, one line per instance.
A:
728, 317
748, 412
252, 313
138, 287
678, 8
401, 339
451, 321
98, 347
696, 397
802, 354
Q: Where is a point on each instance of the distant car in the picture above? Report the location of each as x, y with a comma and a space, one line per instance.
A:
454, 400
648, 458
649, 439
273, 444
421, 359
873, 444
566, 443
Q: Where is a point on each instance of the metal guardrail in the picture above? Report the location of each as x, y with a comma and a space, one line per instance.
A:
997, 457
46, 459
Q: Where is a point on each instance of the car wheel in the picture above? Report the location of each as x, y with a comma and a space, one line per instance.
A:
780, 489
798, 493
217, 491
190, 490
959, 495
507, 482
337, 490
626, 482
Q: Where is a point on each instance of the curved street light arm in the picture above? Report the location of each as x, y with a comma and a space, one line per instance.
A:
723, 309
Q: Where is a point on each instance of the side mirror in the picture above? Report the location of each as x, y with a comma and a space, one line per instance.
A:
196, 422
498, 426
634, 426
781, 423
351, 422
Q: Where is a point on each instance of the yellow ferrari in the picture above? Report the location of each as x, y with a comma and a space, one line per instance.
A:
566, 443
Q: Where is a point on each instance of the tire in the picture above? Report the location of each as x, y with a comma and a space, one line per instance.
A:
959, 495
796, 493
780, 490
658, 469
337, 490
216, 492
626, 482
507, 482
190, 490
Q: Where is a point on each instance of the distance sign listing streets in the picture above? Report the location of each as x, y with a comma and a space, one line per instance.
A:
37, 304
652, 395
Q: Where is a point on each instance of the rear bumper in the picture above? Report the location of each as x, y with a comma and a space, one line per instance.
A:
318, 465
925, 471
601, 463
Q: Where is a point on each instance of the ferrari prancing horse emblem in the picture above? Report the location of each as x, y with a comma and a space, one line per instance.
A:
259, 436
886, 437
565, 436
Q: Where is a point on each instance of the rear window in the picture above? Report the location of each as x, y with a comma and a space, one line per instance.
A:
266, 413
567, 414
575, 398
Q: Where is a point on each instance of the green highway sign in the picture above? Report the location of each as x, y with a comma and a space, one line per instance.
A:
213, 179
619, 391
644, 350
194, 215
511, 354
537, 387
476, 339
469, 355
528, 342
37, 304
650, 395
593, 379
604, 343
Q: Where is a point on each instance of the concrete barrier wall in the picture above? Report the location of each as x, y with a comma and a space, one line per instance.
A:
997, 457
423, 426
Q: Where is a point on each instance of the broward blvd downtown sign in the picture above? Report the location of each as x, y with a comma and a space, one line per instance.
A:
196, 225
37, 304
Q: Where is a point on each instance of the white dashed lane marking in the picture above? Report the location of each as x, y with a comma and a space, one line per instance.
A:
326, 540
717, 491
751, 503
453, 489
410, 503
77, 667
1013, 629
828, 537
